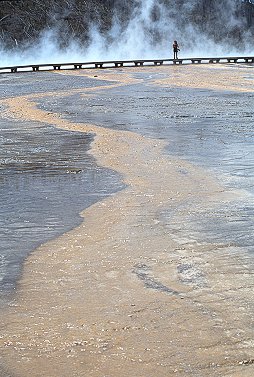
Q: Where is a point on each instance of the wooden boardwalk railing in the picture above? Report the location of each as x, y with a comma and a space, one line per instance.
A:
127, 63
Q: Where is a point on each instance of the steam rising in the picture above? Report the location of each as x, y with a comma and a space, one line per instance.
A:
149, 33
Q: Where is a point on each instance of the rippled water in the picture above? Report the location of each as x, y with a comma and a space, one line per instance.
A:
214, 130
46, 179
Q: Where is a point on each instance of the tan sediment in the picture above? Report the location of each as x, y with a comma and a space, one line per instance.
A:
15, 104
120, 76
214, 77
226, 77
107, 298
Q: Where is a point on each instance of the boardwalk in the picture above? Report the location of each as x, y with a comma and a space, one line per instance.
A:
126, 63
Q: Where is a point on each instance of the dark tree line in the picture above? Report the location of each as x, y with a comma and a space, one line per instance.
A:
22, 21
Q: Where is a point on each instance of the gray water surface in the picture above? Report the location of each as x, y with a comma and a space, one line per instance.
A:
214, 130
46, 179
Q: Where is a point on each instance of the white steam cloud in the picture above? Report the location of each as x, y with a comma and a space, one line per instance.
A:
149, 34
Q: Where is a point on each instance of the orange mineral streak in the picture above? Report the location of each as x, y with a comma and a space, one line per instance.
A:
106, 298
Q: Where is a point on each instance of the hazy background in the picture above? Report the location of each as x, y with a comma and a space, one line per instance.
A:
74, 30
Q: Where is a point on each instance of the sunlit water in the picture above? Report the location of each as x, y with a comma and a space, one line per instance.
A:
47, 177
214, 130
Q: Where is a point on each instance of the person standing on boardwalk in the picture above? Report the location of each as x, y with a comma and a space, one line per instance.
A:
175, 49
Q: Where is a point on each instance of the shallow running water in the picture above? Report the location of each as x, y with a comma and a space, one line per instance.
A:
211, 129
46, 179
129, 290
214, 130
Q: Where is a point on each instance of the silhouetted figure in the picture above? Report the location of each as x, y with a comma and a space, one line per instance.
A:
175, 49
